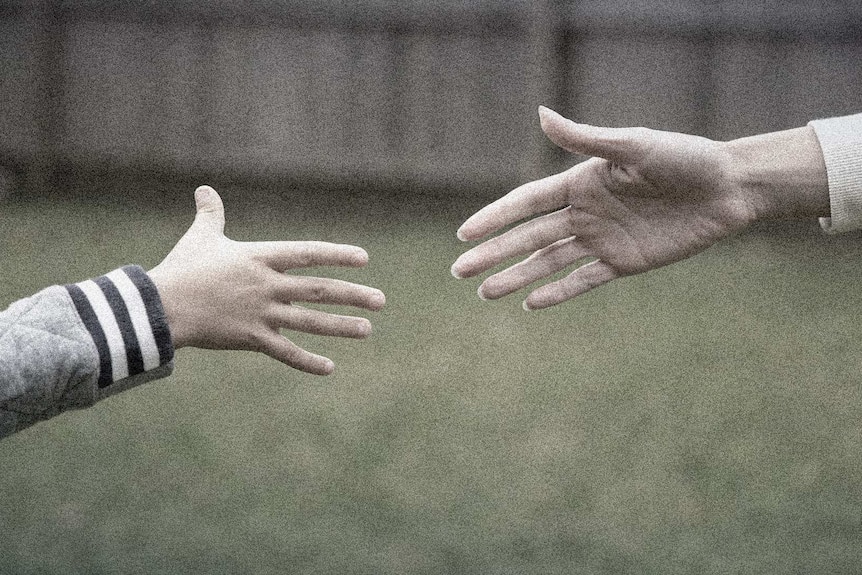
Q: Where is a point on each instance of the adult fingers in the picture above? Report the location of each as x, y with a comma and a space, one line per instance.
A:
580, 281
531, 198
523, 239
282, 349
621, 145
283, 256
542, 263
329, 291
316, 322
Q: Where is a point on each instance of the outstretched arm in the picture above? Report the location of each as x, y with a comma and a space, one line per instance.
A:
70, 346
645, 199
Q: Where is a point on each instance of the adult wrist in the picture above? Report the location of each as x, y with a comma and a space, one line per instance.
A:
781, 175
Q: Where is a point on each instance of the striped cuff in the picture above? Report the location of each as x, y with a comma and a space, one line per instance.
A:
841, 142
124, 315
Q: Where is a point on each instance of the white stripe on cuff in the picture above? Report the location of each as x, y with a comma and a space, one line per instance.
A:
140, 320
116, 345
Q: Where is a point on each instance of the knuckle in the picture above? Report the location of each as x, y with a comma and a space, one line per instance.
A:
639, 133
556, 256
569, 289
318, 294
638, 140
572, 218
559, 254
257, 341
589, 281
272, 316
307, 321
302, 258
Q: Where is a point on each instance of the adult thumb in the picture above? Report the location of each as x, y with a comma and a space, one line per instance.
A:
620, 145
210, 209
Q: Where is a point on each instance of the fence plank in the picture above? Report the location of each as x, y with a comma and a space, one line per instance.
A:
440, 92
130, 92
638, 81
18, 129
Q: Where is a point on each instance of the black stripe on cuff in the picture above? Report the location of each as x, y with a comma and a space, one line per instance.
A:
91, 322
155, 311
134, 357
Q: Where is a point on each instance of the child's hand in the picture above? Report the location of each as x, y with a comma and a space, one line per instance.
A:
221, 294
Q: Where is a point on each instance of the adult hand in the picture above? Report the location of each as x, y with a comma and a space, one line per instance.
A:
647, 199
222, 294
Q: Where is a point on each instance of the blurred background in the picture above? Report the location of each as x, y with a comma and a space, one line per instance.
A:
705, 417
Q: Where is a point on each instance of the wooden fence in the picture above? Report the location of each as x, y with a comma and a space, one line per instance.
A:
398, 93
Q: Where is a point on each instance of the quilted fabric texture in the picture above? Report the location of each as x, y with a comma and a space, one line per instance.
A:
57, 353
48, 361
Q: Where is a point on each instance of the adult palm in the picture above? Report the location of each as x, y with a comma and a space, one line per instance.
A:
647, 199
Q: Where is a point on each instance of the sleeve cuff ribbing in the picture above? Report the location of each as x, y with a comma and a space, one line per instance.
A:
123, 313
841, 142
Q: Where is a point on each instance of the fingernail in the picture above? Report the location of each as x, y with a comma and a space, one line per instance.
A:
379, 299
480, 294
461, 267
202, 192
525, 306
360, 255
460, 234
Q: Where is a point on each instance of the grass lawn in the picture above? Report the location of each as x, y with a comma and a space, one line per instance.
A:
704, 418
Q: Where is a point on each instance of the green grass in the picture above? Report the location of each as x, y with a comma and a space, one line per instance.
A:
705, 418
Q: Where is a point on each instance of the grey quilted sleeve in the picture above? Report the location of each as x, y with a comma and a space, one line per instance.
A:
68, 347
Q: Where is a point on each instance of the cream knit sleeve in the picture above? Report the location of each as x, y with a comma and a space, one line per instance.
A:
841, 142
